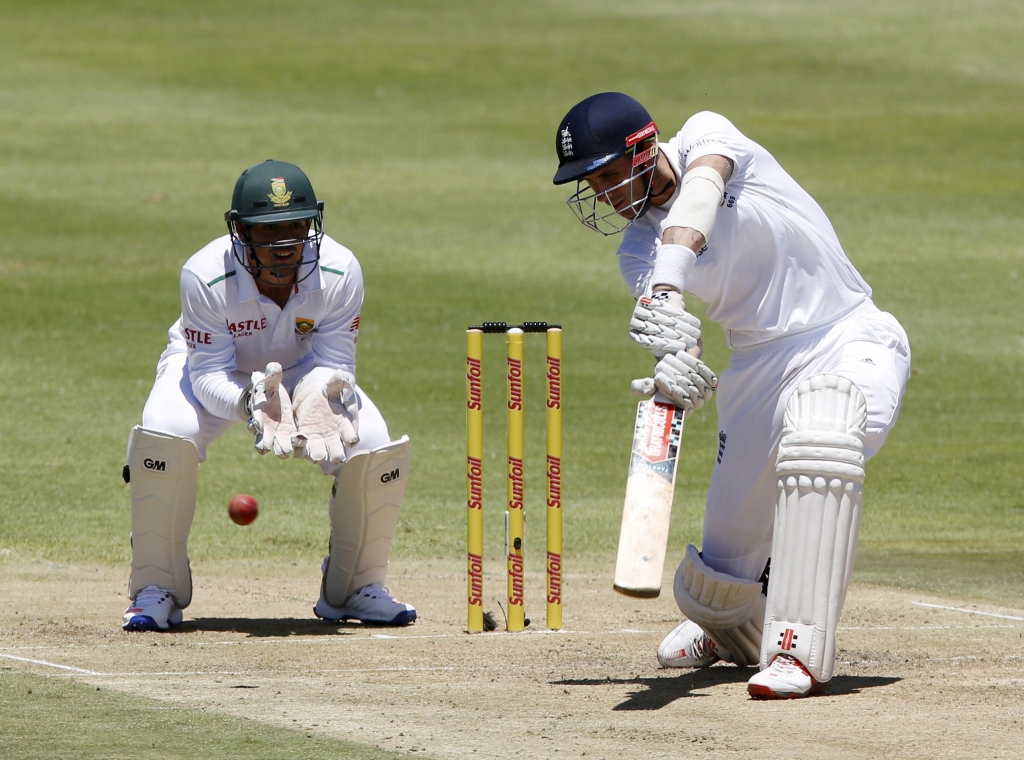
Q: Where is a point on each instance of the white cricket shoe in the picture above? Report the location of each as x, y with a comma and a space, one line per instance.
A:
785, 678
152, 610
687, 646
372, 604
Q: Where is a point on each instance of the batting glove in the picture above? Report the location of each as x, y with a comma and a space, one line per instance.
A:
662, 325
682, 378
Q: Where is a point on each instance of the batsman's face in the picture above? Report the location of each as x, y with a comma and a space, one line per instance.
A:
277, 249
620, 186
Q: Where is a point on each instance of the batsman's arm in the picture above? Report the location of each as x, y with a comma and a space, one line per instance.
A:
696, 203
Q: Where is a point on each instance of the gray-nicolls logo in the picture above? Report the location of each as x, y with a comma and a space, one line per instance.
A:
566, 142
721, 445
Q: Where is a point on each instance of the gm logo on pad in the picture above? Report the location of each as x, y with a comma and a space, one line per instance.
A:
387, 477
154, 464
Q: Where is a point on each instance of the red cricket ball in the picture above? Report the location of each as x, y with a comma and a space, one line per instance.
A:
243, 509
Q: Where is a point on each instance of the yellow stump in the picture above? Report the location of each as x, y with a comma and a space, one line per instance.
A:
514, 517
475, 479
554, 479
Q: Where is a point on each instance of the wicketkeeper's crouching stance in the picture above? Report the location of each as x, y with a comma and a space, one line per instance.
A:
267, 337
813, 387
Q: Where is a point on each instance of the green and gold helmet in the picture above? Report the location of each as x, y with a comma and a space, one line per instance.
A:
273, 192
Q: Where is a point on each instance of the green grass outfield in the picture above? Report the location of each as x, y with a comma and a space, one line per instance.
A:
429, 130
51, 717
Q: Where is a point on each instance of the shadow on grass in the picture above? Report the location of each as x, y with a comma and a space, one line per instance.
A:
657, 693
268, 627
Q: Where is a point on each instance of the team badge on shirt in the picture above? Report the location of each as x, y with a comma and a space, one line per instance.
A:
304, 326
279, 195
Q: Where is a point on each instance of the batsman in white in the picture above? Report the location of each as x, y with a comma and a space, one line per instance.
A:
267, 337
813, 386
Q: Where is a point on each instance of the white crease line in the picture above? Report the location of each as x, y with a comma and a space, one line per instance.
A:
327, 639
489, 634
52, 665
969, 612
262, 675
920, 627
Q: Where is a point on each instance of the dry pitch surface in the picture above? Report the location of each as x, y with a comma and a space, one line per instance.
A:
917, 677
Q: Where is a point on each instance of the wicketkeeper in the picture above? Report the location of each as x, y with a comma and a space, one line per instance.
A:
813, 386
267, 338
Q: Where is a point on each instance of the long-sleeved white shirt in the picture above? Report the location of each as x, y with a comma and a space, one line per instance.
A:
230, 330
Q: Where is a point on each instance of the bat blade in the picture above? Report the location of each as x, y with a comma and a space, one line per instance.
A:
647, 511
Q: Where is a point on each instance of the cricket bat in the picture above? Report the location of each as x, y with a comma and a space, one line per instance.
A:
643, 537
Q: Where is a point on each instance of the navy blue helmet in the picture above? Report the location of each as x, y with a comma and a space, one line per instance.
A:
595, 132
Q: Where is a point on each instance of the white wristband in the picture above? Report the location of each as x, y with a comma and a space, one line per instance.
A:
698, 201
673, 266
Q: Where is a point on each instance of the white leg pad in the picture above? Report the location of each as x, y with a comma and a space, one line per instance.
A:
820, 479
163, 471
729, 609
364, 508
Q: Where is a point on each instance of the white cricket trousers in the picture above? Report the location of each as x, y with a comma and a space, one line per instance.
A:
868, 347
173, 408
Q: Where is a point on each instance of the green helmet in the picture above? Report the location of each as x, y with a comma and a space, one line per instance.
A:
272, 192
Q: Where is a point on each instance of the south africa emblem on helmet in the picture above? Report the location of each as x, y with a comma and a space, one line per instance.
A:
279, 195
304, 326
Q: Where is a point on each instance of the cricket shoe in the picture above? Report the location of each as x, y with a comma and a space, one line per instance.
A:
152, 610
785, 678
687, 646
372, 605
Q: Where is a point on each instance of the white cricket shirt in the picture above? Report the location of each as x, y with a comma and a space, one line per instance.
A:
229, 330
773, 266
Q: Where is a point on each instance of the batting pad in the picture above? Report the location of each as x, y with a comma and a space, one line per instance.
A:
729, 609
364, 508
820, 478
163, 470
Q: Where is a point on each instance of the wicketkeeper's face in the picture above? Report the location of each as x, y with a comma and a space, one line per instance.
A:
280, 254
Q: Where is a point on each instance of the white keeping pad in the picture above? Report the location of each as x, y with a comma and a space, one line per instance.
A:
821, 476
364, 509
163, 471
729, 609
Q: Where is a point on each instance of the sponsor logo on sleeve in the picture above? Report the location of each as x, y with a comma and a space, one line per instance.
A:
279, 195
704, 141
354, 327
194, 338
